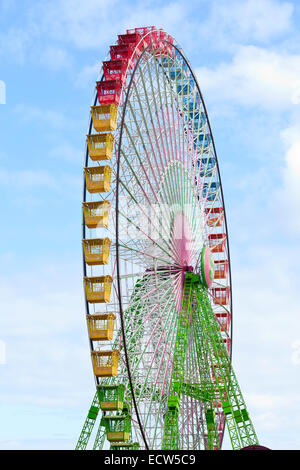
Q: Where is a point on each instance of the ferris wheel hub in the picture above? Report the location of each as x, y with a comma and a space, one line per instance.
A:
188, 268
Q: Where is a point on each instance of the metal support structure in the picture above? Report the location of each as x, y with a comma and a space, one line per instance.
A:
171, 436
88, 424
224, 381
218, 380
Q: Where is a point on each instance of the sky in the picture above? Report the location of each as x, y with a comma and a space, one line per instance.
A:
246, 54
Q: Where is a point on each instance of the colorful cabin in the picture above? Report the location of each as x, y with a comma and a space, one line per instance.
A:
186, 87
202, 141
104, 117
221, 269
207, 165
164, 39
98, 288
141, 31
221, 295
101, 326
198, 118
144, 33
168, 47
118, 427
97, 178
105, 363
122, 51
100, 146
214, 216
217, 242
175, 73
166, 61
210, 190
111, 397
189, 104
227, 342
131, 37
96, 251
96, 213
115, 69
109, 91
224, 319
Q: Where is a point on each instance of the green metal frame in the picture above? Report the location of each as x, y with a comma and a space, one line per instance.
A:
218, 381
239, 425
171, 432
89, 424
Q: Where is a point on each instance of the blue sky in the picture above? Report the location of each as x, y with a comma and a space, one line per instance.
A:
246, 56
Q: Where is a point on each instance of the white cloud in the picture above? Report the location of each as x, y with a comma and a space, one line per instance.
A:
45, 334
15, 42
88, 25
291, 139
68, 152
255, 77
88, 75
27, 179
267, 421
2, 92
249, 20
2, 352
288, 193
48, 117
55, 58
293, 165
296, 352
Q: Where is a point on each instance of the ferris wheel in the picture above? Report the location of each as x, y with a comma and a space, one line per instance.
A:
156, 259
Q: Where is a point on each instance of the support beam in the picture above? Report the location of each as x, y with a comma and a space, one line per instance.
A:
88, 424
239, 424
171, 438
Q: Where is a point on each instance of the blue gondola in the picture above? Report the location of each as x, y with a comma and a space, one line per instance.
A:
187, 87
202, 141
210, 190
175, 73
195, 117
207, 165
165, 61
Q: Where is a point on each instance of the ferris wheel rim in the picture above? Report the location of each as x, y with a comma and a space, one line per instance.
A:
118, 183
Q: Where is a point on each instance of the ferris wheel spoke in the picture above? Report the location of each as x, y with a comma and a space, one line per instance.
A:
158, 230
156, 112
163, 132
138, 182
149, 159
140, 160
144, 375
168, 97
160, 372
170, 311
142, 254
147, 236
136, 303
176, 134
149, 113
